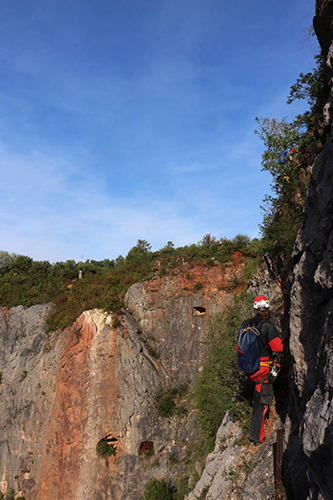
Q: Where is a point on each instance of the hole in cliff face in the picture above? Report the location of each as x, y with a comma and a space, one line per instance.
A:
145, 447
199, 311
110, 439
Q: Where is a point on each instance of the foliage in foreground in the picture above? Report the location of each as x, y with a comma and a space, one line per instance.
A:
300, 141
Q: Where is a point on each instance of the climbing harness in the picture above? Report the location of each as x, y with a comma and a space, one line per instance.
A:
274, 367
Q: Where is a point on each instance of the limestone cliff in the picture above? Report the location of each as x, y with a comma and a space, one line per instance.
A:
235, 470
308, 458
63, 392
232, 471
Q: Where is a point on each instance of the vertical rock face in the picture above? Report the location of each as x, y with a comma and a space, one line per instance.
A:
62, 393
173, 313
236, 472
309, 453
52, 402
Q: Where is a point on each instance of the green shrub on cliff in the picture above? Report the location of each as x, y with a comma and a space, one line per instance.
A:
216, 386
168, 401
283, 210
10, 495
105, 450
104, 284
157, 490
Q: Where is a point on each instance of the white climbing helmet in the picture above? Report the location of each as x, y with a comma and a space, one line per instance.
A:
261, 302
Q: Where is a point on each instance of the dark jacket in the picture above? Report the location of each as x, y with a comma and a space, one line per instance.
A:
269, 342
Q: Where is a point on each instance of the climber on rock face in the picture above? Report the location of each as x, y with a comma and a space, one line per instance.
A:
286, 156
268, 343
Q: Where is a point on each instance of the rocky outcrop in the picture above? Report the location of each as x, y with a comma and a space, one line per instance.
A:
234, 471
173, 313
62, 393
308, 458
51, 394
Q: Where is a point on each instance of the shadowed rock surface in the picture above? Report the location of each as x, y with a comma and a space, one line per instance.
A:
308, 458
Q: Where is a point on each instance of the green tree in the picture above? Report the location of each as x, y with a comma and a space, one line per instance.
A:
170, 245
241, 242
119, 260
157, 490
21, 264
207, 241
283, 211
140, 252
216, 385
6, 258
278, 136
143, 245
312, 87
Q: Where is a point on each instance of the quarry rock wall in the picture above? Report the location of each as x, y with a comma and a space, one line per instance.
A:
63, 392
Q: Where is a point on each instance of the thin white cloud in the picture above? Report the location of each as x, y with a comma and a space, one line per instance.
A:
45, 216
167, 152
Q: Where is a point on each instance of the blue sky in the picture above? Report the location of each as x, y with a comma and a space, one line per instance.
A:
128, 119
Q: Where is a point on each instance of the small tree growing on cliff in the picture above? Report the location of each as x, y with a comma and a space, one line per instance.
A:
283, 210
104, 449
157, 490
283, 213
9, 496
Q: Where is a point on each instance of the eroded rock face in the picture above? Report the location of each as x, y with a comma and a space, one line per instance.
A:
173, 313
63, 392
51, 408
237, 472
309, 454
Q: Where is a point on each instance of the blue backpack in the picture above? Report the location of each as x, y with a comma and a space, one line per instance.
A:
248, 359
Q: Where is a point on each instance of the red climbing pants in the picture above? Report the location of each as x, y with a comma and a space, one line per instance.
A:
257, 432
262, 398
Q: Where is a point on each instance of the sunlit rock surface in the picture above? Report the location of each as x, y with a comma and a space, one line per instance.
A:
61, 393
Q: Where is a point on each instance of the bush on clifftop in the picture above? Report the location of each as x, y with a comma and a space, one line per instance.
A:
26, 282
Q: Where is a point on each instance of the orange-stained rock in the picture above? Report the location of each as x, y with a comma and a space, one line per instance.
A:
72, 431
63, 393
